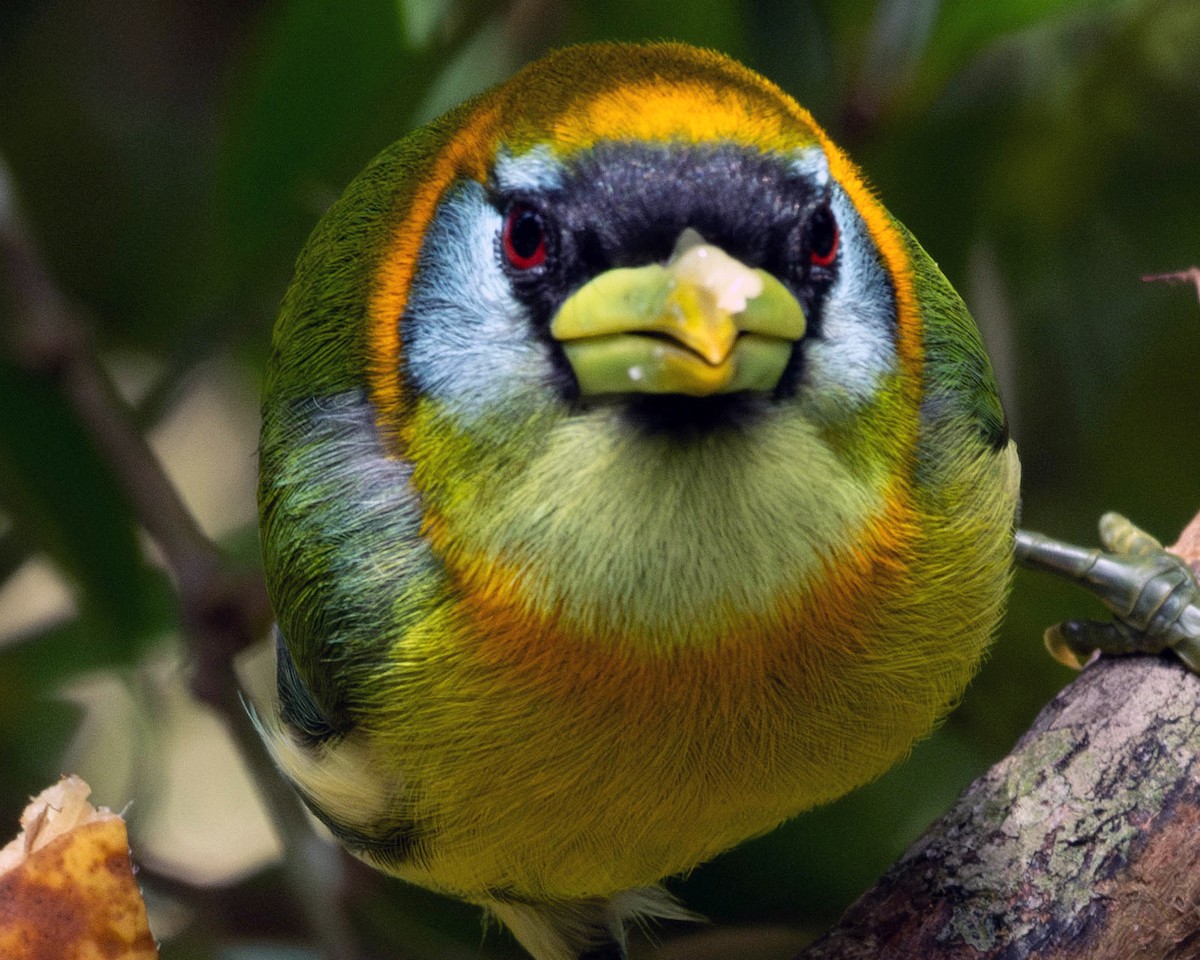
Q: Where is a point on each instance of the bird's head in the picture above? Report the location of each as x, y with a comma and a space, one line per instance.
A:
630, 309
653, 230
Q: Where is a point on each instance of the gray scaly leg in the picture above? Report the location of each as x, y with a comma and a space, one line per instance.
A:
1152, 594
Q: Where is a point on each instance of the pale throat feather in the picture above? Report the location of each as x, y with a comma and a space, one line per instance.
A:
616, 533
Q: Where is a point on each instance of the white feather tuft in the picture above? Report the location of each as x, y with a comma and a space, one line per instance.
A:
563, 930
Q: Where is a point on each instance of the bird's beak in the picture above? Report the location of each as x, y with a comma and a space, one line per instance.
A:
701, 324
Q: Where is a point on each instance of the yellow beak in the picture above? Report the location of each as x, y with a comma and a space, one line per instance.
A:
701, 324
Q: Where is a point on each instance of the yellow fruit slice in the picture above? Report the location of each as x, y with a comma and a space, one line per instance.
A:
66, 884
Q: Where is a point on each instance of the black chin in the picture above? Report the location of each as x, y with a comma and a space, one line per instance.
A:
690, 417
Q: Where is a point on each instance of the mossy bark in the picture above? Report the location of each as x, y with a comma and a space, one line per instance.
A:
1084, 842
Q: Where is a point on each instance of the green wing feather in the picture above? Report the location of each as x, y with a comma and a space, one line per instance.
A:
961, 396
320, 453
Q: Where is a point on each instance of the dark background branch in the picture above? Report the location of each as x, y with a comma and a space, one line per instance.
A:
223, 610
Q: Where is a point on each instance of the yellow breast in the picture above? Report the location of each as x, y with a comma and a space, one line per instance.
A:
554, 766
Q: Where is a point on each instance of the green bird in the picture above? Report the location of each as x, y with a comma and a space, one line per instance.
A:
631, 481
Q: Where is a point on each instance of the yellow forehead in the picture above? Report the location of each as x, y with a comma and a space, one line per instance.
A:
583, 96
578, 97
677, 111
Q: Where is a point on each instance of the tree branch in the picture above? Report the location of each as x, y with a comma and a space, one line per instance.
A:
1191, 275
223, 611
1082, 842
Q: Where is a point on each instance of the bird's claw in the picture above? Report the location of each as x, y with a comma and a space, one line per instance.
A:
1074, 642
1152, 594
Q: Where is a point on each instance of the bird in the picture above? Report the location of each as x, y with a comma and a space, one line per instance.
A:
631, 481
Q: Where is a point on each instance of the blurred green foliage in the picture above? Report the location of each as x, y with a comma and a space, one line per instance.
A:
171, 157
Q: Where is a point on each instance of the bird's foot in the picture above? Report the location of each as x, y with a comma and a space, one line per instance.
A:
1153, 595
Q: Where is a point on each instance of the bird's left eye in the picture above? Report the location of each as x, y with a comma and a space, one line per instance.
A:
524, 237
823, 237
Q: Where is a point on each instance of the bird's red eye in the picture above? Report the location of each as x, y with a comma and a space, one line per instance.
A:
524, 237
822, 237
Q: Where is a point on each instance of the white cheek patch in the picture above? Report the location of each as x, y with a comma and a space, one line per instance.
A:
857, 345
537, 171
466, 339
812, 165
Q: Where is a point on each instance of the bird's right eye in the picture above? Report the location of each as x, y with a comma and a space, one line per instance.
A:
524, 237
823, 237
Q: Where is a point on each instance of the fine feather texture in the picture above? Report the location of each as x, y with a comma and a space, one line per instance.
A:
566, 931
542, 650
